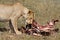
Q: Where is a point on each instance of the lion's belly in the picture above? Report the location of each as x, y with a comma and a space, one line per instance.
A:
5, 12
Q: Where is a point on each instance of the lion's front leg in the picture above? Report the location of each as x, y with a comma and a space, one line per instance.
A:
14, 24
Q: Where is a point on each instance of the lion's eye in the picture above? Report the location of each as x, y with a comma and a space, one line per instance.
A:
30, 18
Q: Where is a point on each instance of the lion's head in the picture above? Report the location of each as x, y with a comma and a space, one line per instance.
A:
30, 17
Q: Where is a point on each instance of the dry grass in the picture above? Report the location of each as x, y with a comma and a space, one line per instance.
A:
44, 10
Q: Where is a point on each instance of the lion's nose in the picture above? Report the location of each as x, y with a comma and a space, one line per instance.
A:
29, 21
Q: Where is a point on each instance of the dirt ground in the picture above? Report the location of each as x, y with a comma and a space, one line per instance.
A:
12, 36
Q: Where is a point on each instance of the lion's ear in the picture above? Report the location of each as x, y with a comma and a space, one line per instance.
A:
30, 12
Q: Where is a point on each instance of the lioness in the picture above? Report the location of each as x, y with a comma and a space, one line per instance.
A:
12, 13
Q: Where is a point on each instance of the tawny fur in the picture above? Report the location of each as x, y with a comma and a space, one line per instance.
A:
12, 13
